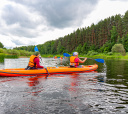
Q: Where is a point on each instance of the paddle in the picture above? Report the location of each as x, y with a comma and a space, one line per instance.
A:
98, 60
36, 49
66, 55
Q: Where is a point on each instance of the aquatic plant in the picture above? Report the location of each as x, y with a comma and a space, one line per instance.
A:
2, 56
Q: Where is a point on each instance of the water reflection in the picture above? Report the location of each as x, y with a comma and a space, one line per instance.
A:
33, 83
104, 91
38, 92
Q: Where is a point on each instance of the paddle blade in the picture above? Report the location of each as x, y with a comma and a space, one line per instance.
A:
66, 55
36, 49
100, 60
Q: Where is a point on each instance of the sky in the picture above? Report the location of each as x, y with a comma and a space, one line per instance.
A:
33, 22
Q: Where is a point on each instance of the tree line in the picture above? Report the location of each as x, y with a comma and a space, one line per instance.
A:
1, 45
100, 38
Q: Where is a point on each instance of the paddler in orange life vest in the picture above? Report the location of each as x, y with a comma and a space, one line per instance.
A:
74, 60
34, 61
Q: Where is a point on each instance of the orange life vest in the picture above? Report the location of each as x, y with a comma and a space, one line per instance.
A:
72, 61
31, 61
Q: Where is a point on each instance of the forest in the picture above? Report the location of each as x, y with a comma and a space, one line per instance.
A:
99, 38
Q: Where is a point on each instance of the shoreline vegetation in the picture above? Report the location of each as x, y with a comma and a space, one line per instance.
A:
116, 56
107, 39
12, 53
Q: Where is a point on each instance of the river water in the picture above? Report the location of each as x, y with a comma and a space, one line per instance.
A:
102, 92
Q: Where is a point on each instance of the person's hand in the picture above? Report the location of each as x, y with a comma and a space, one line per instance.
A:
85, 59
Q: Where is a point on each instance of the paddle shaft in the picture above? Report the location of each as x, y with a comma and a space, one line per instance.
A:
45, 67
47, 70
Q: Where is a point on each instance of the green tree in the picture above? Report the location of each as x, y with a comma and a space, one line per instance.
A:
106, 47
119, 40
79, 49
60, 48
92, 47
53, 49
114, 35
125, 23
1, 45
125, 42
85, 48
100, 37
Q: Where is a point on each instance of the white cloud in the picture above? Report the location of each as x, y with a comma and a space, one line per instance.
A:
35, 22
105, 9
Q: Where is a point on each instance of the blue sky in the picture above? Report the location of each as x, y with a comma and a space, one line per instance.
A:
33, 22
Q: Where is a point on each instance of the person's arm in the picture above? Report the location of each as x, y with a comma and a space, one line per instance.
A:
82, 61
36, 60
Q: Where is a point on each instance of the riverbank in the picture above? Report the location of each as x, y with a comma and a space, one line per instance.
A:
117, 56
99, 55
2, 56
12, 53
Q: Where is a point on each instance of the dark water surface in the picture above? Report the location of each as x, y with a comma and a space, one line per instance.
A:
101, 92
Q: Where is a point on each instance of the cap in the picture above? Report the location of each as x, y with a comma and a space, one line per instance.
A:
75, 53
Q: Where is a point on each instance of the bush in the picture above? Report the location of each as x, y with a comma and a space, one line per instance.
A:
28, 53
118, 48
9, 51
11, 56
91, 53
25, 53
13, 52
106, 47
110, 53
2, 50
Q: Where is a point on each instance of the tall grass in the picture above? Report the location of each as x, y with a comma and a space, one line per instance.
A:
12, 53
2, 56
49, 55
25, 53
117, 56
15, 52
11, 56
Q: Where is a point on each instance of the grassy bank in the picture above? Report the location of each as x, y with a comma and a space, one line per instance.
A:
8, 53
99, 55
117, 56
12, 53
2, 56
49, 55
